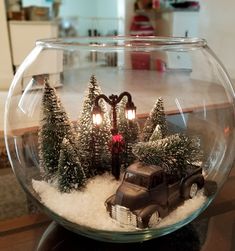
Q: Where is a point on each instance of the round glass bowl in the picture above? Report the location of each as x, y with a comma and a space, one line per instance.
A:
197, 101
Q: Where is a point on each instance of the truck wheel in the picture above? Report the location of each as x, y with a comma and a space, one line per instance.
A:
154, 219
193, 190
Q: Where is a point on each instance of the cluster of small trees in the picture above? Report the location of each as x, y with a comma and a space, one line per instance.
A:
57, 144
175, 153
72, 156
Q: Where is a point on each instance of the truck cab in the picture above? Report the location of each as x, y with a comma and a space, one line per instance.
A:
146, 194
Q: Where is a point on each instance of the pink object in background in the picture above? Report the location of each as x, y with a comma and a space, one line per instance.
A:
160, 65
140, 60
156, 4
141, 26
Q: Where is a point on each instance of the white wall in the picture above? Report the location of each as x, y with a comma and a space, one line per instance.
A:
77, 8
217, 26
129, 14
40, 3
92, 14
6, 71
104, 15
86, 14
107, 8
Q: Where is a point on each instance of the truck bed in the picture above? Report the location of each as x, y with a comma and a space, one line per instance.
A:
191, 170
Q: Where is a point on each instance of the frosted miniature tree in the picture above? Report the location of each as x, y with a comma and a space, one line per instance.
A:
70, 172
129, 129
156, 117
54, 126
174, 152
93, 141
157, 134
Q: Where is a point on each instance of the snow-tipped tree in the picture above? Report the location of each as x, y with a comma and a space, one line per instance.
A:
156, 117
70, 172
129, 129
157, 134
175, 153
93, 141
54, 126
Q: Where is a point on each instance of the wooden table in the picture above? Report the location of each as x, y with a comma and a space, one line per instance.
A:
23, 233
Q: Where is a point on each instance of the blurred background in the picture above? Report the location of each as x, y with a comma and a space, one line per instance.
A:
23, 22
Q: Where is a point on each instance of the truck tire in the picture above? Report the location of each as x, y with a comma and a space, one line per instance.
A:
154, 219
190, 190
193, 190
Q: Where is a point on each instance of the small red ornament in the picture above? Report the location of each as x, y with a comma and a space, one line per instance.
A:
117, 138
117, 144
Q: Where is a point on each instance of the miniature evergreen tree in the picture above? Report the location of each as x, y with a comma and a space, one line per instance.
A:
93, 141
156, 117
54, 126
129, 129
70, 172
157, 134
174, 153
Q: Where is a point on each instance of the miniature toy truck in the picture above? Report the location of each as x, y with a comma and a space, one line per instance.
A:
147, 194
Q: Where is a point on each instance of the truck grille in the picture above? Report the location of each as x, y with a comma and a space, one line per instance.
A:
123, 215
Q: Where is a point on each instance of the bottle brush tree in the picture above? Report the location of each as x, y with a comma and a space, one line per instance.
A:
129, 129
93, 141
157, 134
156, 117
71, 175
176, 153
54, 126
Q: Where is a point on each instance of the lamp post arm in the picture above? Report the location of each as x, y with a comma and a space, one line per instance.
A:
102, 96
123, 94
115, 101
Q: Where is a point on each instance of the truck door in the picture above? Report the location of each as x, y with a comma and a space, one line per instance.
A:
173, 194
158, 189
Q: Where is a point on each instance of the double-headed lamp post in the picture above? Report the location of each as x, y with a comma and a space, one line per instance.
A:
130, 113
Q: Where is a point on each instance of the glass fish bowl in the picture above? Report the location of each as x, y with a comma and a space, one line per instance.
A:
121, 139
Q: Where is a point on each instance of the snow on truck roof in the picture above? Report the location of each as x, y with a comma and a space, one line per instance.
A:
143, 168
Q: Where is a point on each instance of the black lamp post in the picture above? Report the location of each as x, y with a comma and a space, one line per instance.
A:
130, 112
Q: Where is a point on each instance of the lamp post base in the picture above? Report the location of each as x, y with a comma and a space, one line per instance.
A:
116, 165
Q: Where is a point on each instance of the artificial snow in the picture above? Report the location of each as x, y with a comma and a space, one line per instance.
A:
86, 207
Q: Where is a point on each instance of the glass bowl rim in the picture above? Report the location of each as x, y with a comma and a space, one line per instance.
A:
123, 42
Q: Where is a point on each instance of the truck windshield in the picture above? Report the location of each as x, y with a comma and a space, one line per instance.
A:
137, 179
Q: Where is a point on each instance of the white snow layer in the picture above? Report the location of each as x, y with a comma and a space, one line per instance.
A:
86, 207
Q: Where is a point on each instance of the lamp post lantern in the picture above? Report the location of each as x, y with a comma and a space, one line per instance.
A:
130, 113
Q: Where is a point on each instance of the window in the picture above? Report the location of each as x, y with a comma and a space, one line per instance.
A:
137, 179
157, 180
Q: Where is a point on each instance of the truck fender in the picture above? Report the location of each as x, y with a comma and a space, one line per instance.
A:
186, 184
146, 213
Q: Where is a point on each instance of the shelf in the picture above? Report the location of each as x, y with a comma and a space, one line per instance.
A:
24, 22
166, 10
